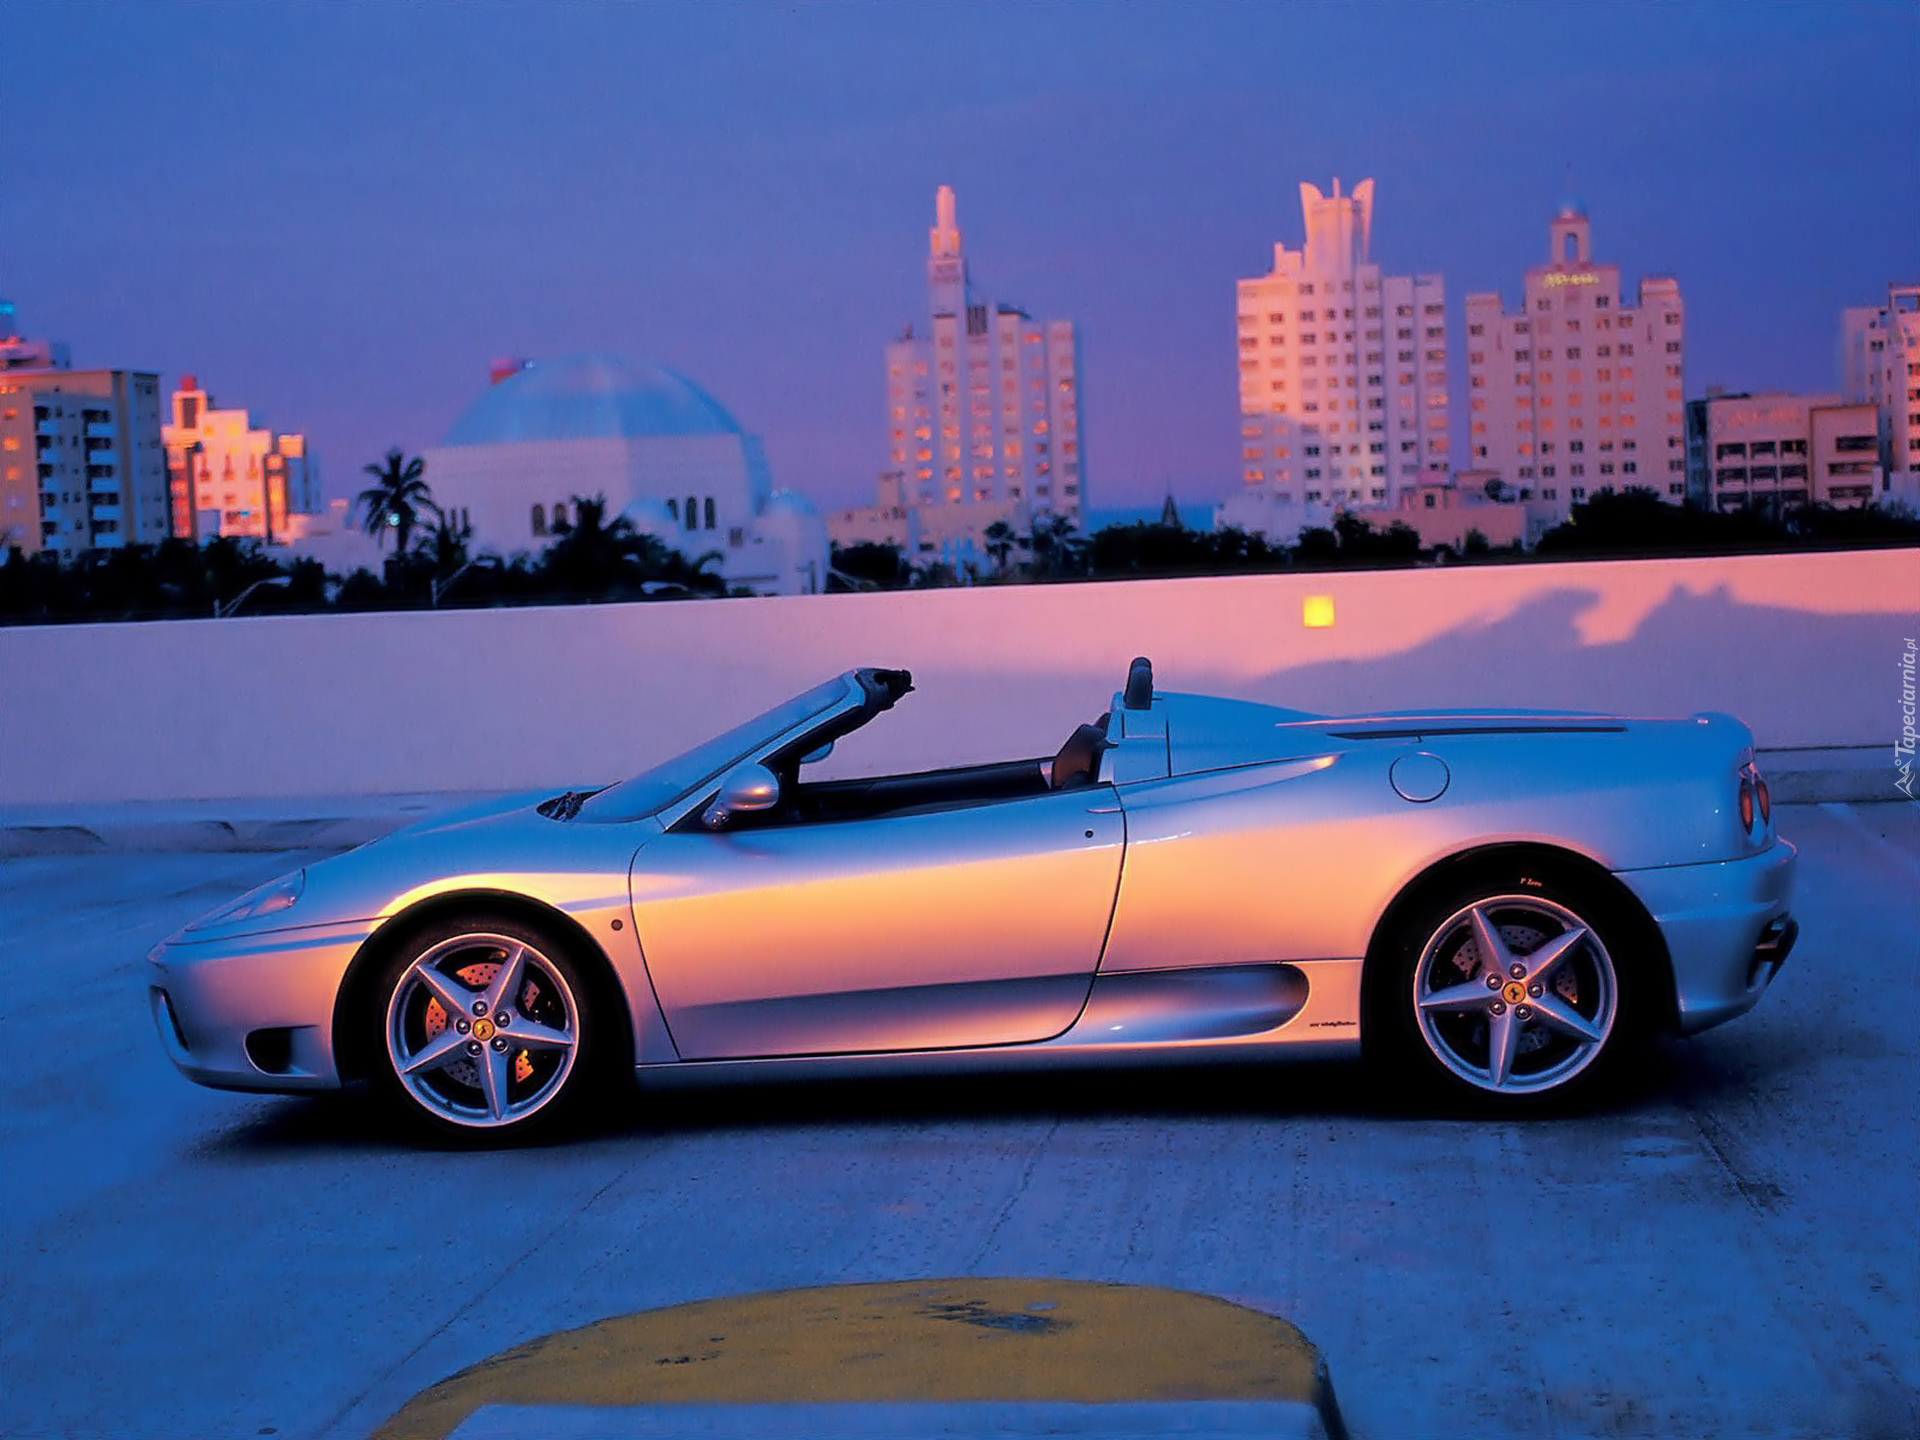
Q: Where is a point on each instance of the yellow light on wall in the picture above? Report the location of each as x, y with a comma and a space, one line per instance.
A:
1317, 612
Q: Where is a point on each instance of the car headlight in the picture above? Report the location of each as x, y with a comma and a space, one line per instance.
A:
267, 899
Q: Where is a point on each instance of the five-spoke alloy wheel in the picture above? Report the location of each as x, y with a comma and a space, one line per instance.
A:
1513, 993
483, 1028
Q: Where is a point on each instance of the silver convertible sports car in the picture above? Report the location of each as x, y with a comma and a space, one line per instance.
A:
1499, 903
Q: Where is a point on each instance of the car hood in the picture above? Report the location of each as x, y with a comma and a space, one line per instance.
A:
501, 843
488, 808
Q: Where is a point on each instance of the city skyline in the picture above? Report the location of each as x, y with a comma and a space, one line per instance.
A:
741, 194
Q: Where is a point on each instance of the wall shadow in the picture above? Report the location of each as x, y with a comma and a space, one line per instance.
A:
1798, 677
1691, 652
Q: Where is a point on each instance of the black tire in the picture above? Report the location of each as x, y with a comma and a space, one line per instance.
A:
498, 1067
1553, 1031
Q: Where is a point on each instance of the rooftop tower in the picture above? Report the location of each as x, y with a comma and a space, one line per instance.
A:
1578, 391
983, 404
1343, 373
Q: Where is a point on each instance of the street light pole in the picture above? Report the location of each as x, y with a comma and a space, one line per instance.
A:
438, 587
274, 582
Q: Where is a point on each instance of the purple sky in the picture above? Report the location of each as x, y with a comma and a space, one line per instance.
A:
336, 214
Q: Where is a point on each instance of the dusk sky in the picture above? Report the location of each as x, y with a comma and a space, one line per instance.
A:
336, 214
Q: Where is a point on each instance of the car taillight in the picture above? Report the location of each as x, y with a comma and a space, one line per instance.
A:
1746, 803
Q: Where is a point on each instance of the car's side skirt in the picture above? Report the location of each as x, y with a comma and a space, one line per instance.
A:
1235, 1012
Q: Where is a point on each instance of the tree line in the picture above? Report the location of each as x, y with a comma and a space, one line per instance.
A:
431, 562
1628, 524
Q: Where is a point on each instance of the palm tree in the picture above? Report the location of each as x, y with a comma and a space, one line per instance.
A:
1070, 547
651, 559
589, 554
1000, 541
702, 572
447, 541
397, 499
1056, 548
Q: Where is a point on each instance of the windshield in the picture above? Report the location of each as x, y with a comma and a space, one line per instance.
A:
669, 780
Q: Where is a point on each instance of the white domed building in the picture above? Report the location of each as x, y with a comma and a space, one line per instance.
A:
648, 516
663, 452
787, 551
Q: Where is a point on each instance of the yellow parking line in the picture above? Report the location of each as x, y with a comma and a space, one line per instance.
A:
925, 1340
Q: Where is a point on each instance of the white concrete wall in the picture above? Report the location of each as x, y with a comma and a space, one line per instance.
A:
1803, 647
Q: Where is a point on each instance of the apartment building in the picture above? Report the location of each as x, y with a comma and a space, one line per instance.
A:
22, 352
229, 476
1343, 373
1771, 453
1880, 366
983, 400
80, 461
1578, 391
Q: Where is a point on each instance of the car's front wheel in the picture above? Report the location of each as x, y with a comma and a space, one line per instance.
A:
1513, 993
483, 1031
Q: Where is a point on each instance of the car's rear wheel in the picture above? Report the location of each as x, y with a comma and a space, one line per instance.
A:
1514, 992
482, 1029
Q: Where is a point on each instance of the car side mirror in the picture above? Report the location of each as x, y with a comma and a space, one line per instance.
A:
746, 790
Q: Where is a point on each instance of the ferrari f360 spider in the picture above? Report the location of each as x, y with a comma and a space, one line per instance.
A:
1500, 904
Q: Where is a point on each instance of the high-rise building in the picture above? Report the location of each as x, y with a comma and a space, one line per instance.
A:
80, 460
227, 476
1771, 453
1577, 392
1343, 370
983, 408
1880, 365
18, 352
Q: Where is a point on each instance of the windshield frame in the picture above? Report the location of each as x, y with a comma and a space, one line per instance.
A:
684, 779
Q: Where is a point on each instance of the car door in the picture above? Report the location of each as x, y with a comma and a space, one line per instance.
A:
979, 925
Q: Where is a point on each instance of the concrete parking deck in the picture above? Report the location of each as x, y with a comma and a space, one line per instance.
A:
1726, 1249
